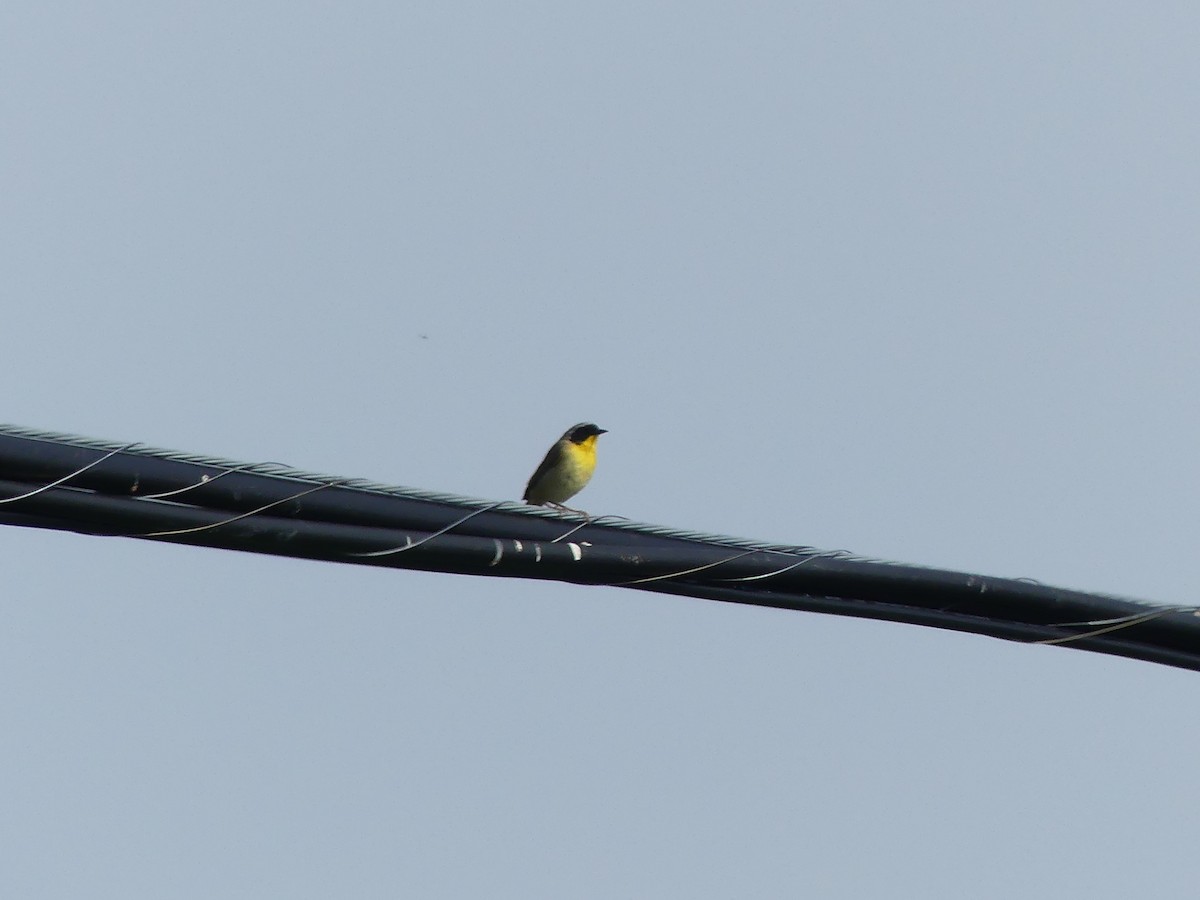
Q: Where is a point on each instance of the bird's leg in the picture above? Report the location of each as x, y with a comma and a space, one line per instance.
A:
568, 509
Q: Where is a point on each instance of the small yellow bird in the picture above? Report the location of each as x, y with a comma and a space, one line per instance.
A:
566, 469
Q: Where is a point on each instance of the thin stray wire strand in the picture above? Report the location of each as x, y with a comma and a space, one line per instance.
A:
794, 565
1194, 610
71, 475
1117, 625
683, 572
587, 522
205, 479
429, 537
833, 554
253, 512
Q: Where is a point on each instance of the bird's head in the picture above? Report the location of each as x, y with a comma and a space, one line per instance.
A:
583, 432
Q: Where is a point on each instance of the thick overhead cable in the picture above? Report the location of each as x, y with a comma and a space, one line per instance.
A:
71, 483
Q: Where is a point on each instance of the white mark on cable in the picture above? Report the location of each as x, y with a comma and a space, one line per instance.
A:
576, 551
519, 547
499, 552
537, 552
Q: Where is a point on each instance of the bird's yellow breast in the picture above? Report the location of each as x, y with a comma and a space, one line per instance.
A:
566, 479
579, 461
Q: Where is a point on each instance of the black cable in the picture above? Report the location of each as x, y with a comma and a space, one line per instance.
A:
70, 483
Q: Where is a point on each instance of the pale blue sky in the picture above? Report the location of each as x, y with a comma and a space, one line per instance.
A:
914, 280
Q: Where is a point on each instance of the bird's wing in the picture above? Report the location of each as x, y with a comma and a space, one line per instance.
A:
553, 458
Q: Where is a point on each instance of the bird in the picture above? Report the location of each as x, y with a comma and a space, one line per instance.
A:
567, 468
